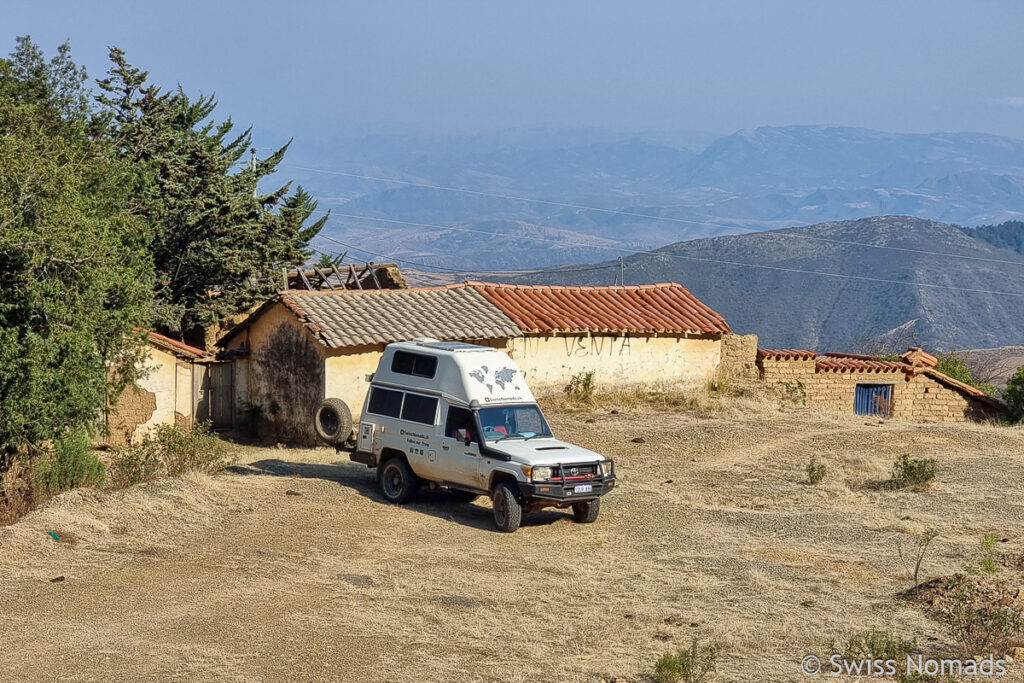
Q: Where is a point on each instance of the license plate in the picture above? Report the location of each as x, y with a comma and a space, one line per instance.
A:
583, 488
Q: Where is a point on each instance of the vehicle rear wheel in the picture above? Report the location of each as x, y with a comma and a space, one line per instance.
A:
508, 513
586, 511
397, 481
333, 422
463, 496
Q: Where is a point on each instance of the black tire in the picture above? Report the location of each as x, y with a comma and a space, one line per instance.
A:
463, 496
333, 422
397, 482
508, 512
585, 512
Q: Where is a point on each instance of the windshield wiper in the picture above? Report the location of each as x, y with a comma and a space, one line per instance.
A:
509, 436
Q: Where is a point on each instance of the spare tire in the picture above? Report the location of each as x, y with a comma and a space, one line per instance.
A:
333, 422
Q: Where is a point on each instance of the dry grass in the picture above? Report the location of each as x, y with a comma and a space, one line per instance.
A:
712, 532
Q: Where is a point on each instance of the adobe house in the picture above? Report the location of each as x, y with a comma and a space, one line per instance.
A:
303, 346
910, 388
164, 395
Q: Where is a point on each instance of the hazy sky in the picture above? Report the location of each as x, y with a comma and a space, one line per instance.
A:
316, 67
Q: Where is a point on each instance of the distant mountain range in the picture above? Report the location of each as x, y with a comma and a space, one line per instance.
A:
841, 285
525, 190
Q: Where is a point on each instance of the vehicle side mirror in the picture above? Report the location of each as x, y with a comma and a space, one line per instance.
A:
463, 435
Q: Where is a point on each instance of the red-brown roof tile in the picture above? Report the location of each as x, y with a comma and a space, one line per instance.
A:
915, 355
841, 364
175, 346
639, 309
787, 354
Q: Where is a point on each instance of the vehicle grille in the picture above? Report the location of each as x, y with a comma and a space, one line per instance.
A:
575, 472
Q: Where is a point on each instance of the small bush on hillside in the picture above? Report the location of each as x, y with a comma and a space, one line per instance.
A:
794, 391
72, 464
913, 473
170, 451
988, 561
692, 665
886, 645
1014, 394
875, 644
581, 386
816, 471
980, 619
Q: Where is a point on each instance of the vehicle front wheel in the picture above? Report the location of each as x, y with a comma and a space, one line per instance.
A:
508, 513
586, 511
397, 481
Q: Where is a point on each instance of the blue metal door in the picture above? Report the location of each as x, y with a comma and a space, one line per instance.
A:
872, 399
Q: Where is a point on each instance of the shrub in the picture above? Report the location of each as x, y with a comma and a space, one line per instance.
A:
885, 645
581, 386
816, 471
170, 451
132, 465
877, 644
912, 554
72, 464
1014, 394
988, 544
191, 450
913, 473
955, 365
981, 622
795, 391
692, 665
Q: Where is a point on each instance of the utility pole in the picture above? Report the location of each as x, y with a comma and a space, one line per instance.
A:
622, 271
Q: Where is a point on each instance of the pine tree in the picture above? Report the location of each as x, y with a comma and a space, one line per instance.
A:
218, 243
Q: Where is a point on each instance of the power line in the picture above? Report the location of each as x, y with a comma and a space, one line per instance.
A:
582, 207
691, 258
452, 270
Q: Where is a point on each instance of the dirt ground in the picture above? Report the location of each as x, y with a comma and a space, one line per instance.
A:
292, 568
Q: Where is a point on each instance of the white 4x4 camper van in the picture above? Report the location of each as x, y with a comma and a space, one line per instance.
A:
461, 416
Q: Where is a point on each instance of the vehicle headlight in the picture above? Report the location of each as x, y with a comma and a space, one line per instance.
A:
541, 473
607, 468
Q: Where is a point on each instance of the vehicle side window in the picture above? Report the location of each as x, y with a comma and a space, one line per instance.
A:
406, 363
385, 402
460, 419
422, 409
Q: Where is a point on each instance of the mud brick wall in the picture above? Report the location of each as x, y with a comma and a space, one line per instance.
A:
835, 390
134, 407
915, 397
739, 357
791, 371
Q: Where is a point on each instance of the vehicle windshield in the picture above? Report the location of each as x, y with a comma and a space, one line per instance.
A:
505, 422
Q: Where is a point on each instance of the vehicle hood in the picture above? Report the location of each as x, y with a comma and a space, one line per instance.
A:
544, 451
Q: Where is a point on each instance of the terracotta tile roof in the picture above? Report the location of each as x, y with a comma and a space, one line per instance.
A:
915, 355
967, 389
175, 346
369, 317
787, 354
844, 354
846, 364
641, 309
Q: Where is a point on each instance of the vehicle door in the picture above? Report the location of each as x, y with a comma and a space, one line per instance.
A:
459, 448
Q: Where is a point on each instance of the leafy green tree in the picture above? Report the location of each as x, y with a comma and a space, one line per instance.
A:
75, 273
1014, 394
954, 364
218, 243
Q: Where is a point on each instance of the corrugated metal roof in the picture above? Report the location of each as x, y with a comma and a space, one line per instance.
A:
358, 318
644, 309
